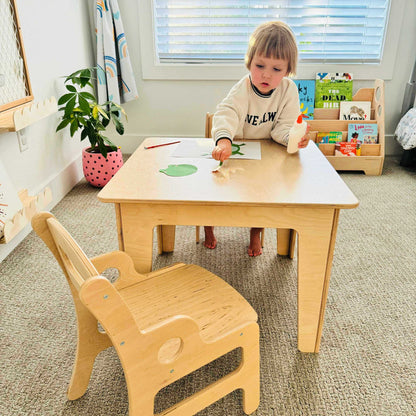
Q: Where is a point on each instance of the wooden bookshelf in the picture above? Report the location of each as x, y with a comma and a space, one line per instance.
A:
372, 155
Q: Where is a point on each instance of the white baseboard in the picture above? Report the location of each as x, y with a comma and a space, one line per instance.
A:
60, 185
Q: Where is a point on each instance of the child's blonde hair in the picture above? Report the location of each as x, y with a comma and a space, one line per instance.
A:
273, 40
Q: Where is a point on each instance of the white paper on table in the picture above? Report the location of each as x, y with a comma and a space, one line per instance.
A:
202, 148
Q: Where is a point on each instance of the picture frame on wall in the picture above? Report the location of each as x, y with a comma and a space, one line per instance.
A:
15, 88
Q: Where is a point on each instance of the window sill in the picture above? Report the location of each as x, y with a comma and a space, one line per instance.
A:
200, 71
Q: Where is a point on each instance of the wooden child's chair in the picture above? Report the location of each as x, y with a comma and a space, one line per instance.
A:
163, 325
285, 238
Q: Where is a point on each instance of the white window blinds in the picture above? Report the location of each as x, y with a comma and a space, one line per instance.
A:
218, 30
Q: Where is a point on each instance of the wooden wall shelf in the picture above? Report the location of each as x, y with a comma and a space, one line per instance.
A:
31, 205
24, 115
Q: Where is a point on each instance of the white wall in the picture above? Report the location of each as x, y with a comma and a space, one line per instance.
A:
57, 42
177, 108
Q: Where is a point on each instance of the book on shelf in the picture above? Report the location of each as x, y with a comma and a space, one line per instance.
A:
328, 137
332, 88
355, 110
306, 90
364, 133
348, 149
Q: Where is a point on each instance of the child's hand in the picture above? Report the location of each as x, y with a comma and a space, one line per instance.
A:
222, 150
305, 139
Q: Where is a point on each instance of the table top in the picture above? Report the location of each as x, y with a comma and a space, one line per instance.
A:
279, 178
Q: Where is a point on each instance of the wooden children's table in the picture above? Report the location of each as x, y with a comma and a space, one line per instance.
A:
302, 192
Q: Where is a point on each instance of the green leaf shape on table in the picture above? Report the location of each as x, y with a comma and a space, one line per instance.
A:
179, 170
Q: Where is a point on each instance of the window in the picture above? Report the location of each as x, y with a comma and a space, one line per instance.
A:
201, 37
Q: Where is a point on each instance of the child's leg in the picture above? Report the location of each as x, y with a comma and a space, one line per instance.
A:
254, 249
210, 240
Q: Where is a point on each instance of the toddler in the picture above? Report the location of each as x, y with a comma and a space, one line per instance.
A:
262, 105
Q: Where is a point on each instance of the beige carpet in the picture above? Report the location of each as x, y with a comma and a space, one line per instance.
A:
366, 365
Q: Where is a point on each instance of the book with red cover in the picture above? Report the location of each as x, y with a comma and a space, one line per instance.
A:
347, 149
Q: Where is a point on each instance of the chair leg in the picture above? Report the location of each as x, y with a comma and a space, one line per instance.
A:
262, 237
141, 400
197, 234
246, 377
90, 343
83, 366
251, 361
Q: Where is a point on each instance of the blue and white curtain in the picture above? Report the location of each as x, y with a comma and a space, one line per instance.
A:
115, 74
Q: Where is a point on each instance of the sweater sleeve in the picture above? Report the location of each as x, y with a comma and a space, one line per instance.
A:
290, 110
229, 113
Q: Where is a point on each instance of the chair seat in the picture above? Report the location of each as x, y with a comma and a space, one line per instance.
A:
192, 291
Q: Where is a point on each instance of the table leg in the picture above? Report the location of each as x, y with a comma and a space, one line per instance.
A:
159, 236
137, 236
166, 238
119, 227
315, 253
292, 242
283, 241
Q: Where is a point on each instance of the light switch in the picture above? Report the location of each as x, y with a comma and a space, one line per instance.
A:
22, 139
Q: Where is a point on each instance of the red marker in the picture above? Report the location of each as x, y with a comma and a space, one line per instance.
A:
159, 145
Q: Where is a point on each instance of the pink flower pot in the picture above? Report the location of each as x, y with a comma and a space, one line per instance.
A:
98, 170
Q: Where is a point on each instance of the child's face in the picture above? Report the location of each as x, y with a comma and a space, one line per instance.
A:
267, 73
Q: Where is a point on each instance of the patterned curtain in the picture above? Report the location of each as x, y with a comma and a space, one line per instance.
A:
115, 74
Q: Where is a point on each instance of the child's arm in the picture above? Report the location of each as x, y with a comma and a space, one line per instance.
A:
224, 123
289, 113
230, 113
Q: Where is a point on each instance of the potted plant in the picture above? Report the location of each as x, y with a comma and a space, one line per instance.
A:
81, 111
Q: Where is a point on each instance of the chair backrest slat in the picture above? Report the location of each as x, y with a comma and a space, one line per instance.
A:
77, 265
208, 125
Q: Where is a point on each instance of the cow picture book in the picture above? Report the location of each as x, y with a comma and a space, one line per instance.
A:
355, 110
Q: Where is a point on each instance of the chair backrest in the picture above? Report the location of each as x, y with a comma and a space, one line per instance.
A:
70, 256
208, 125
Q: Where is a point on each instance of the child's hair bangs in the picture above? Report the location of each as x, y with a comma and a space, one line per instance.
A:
274, 48
274, 40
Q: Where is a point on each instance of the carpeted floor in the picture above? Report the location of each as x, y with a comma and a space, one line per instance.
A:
366, 365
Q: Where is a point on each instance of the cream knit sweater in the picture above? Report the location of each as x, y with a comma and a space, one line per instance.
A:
247, 114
